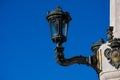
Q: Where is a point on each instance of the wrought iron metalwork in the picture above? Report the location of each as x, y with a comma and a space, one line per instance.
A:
58, 21
97, 45
66, 62
59, 18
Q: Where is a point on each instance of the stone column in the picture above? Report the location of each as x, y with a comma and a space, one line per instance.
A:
115, 17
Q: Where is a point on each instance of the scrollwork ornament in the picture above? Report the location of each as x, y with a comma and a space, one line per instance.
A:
113, 55
107, 53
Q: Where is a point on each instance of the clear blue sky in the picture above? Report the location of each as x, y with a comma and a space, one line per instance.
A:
26, 50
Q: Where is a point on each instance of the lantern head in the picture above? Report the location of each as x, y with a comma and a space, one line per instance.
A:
58, 21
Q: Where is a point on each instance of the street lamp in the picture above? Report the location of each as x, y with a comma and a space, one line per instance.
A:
59, 21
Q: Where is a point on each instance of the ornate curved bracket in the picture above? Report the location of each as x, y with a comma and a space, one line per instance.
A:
89, 61
66, 62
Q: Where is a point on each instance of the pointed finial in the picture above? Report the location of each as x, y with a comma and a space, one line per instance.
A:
59, 9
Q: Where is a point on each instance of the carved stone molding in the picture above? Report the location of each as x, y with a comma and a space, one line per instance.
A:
113, 53
110, 33
107, 53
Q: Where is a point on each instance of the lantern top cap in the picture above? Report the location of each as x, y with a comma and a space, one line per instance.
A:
59, 11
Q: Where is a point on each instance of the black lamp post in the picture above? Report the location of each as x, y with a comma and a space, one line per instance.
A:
59, 21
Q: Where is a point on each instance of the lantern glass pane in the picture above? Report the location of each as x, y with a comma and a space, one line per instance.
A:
64, 30
53, 30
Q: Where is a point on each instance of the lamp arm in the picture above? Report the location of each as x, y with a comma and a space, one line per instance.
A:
77, 59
